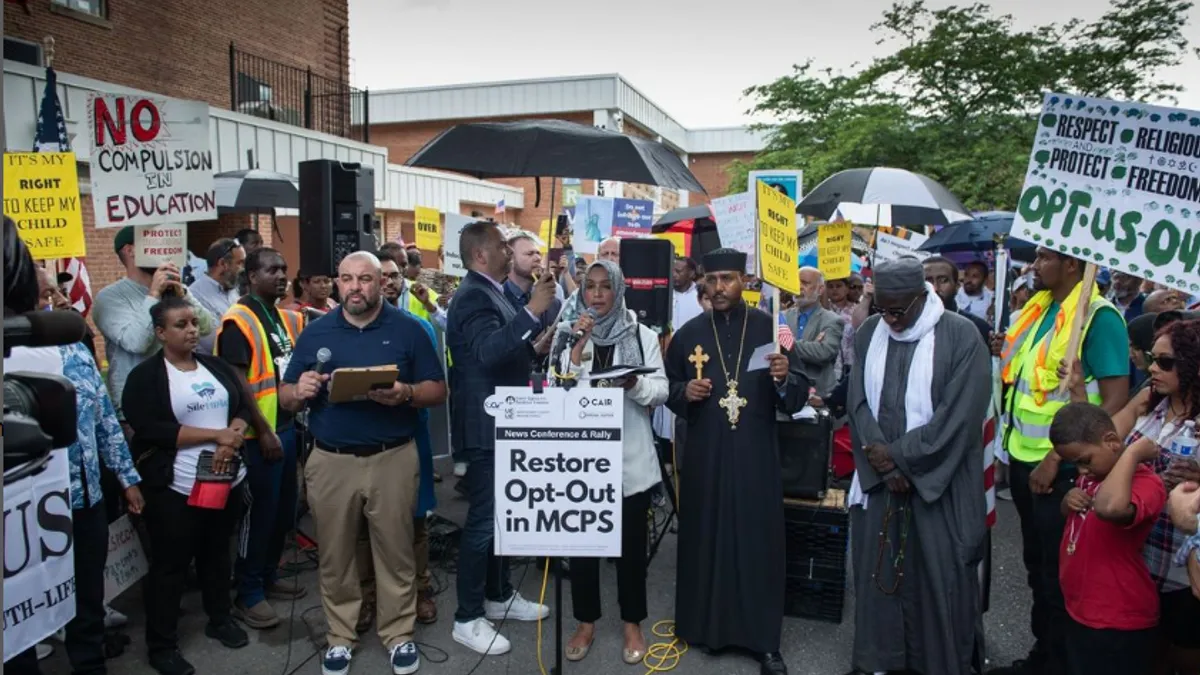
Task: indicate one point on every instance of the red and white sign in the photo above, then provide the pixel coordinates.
(160, 244)
(150, 160)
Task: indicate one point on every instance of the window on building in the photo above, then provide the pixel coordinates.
(23, 51)
(96, 8)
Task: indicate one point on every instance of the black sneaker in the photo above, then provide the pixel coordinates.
(1028, 666)
(772, 664)
(171, 663)
(228, 633)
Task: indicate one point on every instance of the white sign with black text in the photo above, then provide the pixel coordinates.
(39, 563)
(558, 471)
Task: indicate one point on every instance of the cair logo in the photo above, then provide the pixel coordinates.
(586, 402)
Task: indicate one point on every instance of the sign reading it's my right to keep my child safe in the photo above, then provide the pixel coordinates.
(558, 471)
(1116, 184)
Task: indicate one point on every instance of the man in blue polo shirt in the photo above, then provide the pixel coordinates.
(365, 460)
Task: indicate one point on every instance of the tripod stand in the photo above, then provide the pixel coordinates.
(658, 532)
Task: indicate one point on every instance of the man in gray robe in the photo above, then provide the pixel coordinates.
(918, 395)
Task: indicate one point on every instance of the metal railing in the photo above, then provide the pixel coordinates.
(277, 91)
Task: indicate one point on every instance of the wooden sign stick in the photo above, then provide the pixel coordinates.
(1077, 321)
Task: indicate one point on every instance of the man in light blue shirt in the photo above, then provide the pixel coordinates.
(216, 289)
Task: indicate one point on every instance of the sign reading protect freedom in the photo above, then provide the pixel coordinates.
(1117, 184)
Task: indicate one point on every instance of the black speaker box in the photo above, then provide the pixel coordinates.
(805, 450)
(647, 265)
(337, 212)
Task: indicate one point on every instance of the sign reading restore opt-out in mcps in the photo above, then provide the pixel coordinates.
(558, 471)
(1116, 184)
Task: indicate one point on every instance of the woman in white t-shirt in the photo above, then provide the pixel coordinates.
(181, 406)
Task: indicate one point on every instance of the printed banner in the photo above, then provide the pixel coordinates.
(39, 563)
(558, 471)
(736, 225)
(150, 160)
(572, 189)
(41, 195)
(126, 562)
(428, 227)
(777, 239)
(1116, 184)
(593, 223)
(632, 217)
(893, 247)
(789, 182)
(833, 249)
(452, 262)
(158, 245)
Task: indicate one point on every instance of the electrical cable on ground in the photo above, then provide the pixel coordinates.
(542, 601)
(663, 656)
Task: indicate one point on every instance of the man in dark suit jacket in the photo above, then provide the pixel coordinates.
(491, 343)
(817, 331)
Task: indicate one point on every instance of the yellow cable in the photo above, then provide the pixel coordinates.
(664, 656)
(542, 601)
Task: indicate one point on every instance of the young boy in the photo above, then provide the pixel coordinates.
(1112, 601)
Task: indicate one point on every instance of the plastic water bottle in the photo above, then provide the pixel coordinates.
(1185, 443)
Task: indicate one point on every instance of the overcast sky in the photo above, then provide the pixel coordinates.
(691, 57)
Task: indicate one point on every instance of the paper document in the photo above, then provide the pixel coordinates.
(758, 359)
(618, 372)
(806, 413)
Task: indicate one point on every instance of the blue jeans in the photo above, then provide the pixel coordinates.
(481, 573)
(272, 514)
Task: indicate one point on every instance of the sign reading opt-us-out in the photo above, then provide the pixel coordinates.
(558, 471)
(150, 160)
(1117, 184)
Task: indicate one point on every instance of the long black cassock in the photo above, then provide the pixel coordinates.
(730, 585)
(930, 623)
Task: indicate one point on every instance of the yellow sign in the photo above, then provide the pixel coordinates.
(678, 242)
(546, 234)
(429, 228)
(752, 298)
(833, 249)
(41, 195)
(777, 246)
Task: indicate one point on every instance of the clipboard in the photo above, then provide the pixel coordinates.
(352, 384)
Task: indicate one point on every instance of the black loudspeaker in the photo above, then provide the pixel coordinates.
(647, 265)
(337, 212)
(805, 450)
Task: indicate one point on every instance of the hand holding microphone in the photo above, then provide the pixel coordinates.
(310, 382)
(542, 294)
(582, 329)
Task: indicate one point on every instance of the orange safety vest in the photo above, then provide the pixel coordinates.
(261, 375)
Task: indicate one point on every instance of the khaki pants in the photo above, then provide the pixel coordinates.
(366, 568)
(343, 490)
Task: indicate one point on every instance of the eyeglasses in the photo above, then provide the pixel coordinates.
(227, 248)
(893, 312)
(1164, 363)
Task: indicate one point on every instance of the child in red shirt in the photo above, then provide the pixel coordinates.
(1111, 600)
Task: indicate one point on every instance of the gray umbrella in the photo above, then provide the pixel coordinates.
(254, 190)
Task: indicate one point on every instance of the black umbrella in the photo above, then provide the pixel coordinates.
(685, 213)
(696, 226)
(256, 190)
(883, 196)
(553, 148)
(979, 236)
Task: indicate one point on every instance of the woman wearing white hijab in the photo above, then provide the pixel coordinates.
(611, 336)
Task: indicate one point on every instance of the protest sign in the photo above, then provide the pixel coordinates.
(679, 242)
(558, 471)
(833, 249)
(157, 245)
(452, 262)
(41, 195)
(546, 234)
(39, 563)
(893, 247)
(777, 239)
(150, 160)
(428, 227)
(789, 182)
(632, 217)
(593, 223)
(572, 188)
(1116, 184)
(126, 562)
(736, 225)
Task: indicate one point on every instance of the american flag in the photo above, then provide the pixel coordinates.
(786, 339)
(989, 465)
(500, 207)
(52, 137)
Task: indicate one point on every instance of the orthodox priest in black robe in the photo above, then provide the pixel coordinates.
(730, 586)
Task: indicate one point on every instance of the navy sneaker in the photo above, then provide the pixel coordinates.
(405, 659)
(336, 661)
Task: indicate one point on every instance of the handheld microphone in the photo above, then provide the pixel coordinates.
(575, 337)
(43, 329)
(323, 356)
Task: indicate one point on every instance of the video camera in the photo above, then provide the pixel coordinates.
(39, 409)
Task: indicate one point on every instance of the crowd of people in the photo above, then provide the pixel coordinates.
(213, 387)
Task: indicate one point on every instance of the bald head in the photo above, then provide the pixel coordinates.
(1163, 301)
(610, 249)
(359, 283)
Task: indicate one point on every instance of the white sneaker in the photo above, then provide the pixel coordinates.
(113, 618)
(460, 469)
(517, 609)
(336, 661)
(480, 636)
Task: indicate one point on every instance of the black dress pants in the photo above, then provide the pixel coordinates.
(85, 633)
(1092, 651)
(631, 568)
(178, 534)
(1042, 526)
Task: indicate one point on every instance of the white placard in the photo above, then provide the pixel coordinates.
(452, 262)
(737, 225)
(592, 224)
(788, 181)
(558, 471)
(890, 247)
(39, 563)
(156, 245)
(150, 160)
(1116, 184)
(126, 562)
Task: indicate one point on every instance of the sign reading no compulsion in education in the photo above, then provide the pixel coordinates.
(777, 239)
(558, 471)
(1116, 184)
(41, 195)
(150, 160)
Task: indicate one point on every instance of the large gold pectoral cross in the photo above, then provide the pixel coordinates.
(698, 359)
(733, 404)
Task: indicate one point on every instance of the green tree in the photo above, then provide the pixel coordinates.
(956, 100)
